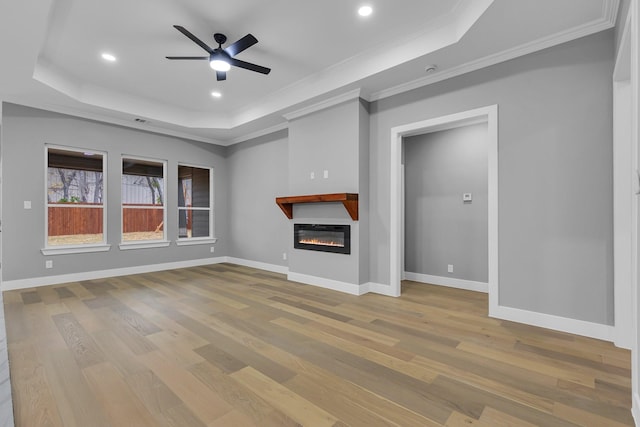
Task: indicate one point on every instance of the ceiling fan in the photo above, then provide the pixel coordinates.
(221, 59)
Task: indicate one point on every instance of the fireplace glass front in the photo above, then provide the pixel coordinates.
(322, 237)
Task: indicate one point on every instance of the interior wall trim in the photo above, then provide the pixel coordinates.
(335, 285)
(323, 105)
(557, 323)
(452, 282)
(606, 21)
(33, 282)
(488, 114)
(578, 327)
(378, 288)
(274, 268)
(635, 408)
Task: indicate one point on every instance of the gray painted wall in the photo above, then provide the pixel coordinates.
(555, 161)
(258, 173)
(25, 132)
(325, 140)
(330, 140)
(440, 228)
(363, 190)
(554, 173)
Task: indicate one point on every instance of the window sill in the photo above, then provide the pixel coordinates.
(197, 241)
(65, 250)
(125, 246)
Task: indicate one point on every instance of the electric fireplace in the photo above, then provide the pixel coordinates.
(322, 237)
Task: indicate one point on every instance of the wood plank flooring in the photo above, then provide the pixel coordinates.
(226, 345)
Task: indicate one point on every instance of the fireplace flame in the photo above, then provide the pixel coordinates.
(321, 242)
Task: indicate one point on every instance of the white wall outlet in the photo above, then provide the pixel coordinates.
(326, 174)
(212, 249)
(312, 175)
(48, 263)
(467, 197)
(450, 268)
(27, 204)
(284, 256)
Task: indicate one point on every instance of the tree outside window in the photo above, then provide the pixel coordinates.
(75, 197)
(143, 200)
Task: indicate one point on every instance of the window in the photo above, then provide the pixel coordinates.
(75, 198)
(143, 200)
(195, 203)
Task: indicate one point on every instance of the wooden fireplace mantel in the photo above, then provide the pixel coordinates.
(349, 200)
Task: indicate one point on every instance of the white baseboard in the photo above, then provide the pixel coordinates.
(451, 282)
(102, 274)
(635, 408)
(557, 323)
(349, 288)
(259, 265)
(563, 324)
(623, 337)
(379, 288)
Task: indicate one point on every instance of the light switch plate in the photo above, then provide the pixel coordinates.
(467, 197)
(27, 204)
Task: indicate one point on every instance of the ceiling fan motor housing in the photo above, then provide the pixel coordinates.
(220, 38)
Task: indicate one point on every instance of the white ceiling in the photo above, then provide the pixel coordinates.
(316, 50)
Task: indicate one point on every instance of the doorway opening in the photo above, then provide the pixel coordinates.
(445, 208)
(488, 115)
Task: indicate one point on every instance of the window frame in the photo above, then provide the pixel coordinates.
(156, 243)
(74, 248)
(203, 240)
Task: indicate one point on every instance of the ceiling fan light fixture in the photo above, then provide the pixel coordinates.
(219, 65)
(221, 59)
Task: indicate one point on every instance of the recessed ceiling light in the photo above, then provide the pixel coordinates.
(216, 94)
(365, 11)
(108, 57)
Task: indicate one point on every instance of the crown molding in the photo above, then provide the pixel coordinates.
(258, 134)
(608, 20)
(103, 118)
(610, 10)
(322, 105)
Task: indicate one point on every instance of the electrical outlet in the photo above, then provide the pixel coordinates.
(312, 175)
(284, 256)
(326, 174)
(48, 263)
(450, 268)
(212, 249)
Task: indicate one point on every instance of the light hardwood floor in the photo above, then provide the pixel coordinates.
(226, 345)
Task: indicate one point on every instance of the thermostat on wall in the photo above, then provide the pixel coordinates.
(467, 197)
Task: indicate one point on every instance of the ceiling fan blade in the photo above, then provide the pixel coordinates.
(193, 38)
(221, 75)
(242, 44)
(187, 57)
(249, 66)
